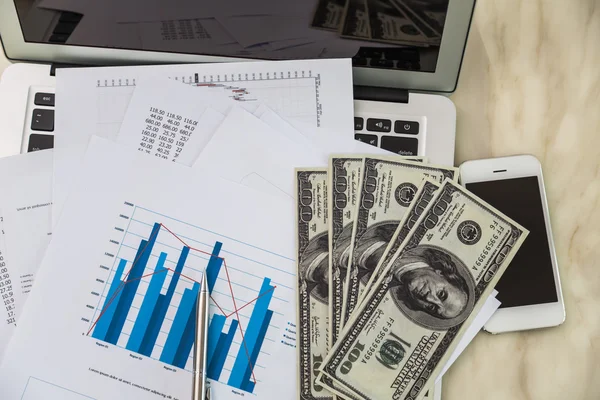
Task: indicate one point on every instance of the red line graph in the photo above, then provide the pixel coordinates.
(235, 311)
(238, 318)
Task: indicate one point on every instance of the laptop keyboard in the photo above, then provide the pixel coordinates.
(40, 135)
(399, 136)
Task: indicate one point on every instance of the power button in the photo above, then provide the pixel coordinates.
(406, 127)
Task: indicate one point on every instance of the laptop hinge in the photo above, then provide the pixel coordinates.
(375, 93)
(55, 66)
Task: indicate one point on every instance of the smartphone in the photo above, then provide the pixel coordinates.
(529, 289)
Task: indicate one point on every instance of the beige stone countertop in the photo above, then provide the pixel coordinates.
(530, 83)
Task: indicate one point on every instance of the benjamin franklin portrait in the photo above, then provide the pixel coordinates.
(432, 287)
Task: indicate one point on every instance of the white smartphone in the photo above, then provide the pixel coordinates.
(530, 289)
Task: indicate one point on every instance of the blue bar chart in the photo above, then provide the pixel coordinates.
(255, 335)
(149, 306)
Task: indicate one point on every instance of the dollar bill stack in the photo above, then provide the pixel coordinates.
(387, 188)
(394, 260)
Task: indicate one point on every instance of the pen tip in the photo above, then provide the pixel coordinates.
(204, 285)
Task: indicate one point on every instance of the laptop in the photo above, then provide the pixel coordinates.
(406, 56)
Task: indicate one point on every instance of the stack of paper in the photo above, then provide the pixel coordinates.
(155, 182)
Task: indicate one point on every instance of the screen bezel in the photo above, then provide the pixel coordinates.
(529, 316)
(444, 79)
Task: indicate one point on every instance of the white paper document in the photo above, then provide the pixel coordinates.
(257, 156)
(164, 118)
(93, 101)
(25, 231)
(111, 316)
(207, 125)
(263, 155)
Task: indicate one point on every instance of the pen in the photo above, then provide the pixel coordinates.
(200, 389)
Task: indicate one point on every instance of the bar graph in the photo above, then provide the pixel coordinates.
(148, 305)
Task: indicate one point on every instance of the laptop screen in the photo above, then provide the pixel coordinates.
(391, 34)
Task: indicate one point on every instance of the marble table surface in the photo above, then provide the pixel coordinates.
(530, 83)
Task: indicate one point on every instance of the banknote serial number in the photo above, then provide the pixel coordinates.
(357, 351)
(490, 245)
(378, 339)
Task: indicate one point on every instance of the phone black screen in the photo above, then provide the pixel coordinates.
(529, 278)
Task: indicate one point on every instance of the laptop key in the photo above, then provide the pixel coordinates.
(40, 142)
(358, 123)
(44, 99)
(43, 120)
(379, 125)
(407, 127)
(400, 145)
(369, 139)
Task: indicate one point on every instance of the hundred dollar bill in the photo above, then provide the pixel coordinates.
(313, 279)
(422, 199)
(420, 202)
(403, 333)
(344, 177)
(430, 395)
(355, 22)
(339, 392)
(344, 180)
(329, 14)
(387, 188)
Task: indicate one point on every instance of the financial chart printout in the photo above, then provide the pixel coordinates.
(113, 313)
(314, 93)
